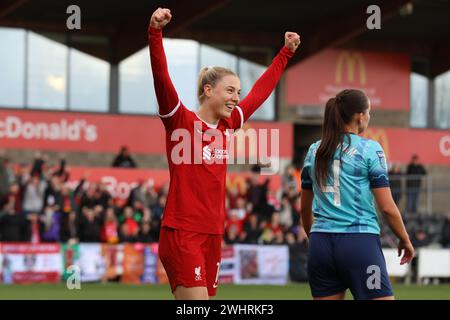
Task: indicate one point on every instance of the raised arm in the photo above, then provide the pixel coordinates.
(165, 91)
(264, 86)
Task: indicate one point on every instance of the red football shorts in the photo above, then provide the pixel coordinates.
(191, 259)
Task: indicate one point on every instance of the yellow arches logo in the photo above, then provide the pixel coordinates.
(236, 184)
(351, 60)
(380, 136)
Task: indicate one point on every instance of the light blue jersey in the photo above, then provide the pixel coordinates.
(346, 204)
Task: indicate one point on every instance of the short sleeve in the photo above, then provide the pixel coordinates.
(306, 171)
(378, 175)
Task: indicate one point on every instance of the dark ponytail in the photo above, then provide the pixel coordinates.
(339, 112)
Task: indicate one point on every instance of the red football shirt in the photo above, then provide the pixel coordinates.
(196, 198)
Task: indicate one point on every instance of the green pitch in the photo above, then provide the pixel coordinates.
(162, 292)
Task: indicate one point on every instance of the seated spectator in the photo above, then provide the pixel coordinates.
(272, 200)
(51, 219)
(14, 191)
(68, 231)
(138, 206)
(257, 195)
(151, 196)
(237, 216)
(252, 231)
(288, 181)
(68, 201)
(88, 196)
(102, 196)
(146, 235)
(110, 227)
(239, 211)
(232, 235)
(146, 215)
(128, 233)
(286, 219)
(11, 223)
(267, 236)
(124, 159)
(34, 228)
(130, 228)
(144, 193)
(273, 232)
(89, 227)
(33, 195)
(155, 228)
(274, 224)
(278, 237)
(158, 208)
(232, 195)
(420, 238)
(53, 195)
(99, 213)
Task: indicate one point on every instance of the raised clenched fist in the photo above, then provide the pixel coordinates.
(160, 18)
(291, 40)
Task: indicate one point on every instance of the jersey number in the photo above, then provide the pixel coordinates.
(335, 187)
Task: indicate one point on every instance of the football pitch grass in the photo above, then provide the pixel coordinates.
(115, 291)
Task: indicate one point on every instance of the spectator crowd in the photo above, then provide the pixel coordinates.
(37, 205)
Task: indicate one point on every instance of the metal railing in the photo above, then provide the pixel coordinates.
(432, 190)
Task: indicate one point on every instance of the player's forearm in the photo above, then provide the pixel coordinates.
(264, 86)
(395, 222)
(307, 219)
(165, 91)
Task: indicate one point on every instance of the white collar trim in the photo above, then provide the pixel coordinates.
(212, 126)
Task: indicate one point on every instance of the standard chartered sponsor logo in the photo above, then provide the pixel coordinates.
(249, 146)
(207, 153)
(12, 127)
(215, 153)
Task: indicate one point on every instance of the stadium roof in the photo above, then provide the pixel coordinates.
(115, 29)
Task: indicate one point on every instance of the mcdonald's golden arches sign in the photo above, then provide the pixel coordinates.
(383, 76)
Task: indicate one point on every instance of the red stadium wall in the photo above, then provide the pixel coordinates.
(62, 131)
(383, 76)
(432, 146)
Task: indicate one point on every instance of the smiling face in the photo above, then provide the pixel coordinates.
(224, 96)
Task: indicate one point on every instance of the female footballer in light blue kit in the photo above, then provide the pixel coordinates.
(342, 174)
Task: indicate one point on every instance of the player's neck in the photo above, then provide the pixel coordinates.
(352, 128)
(207, 115)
